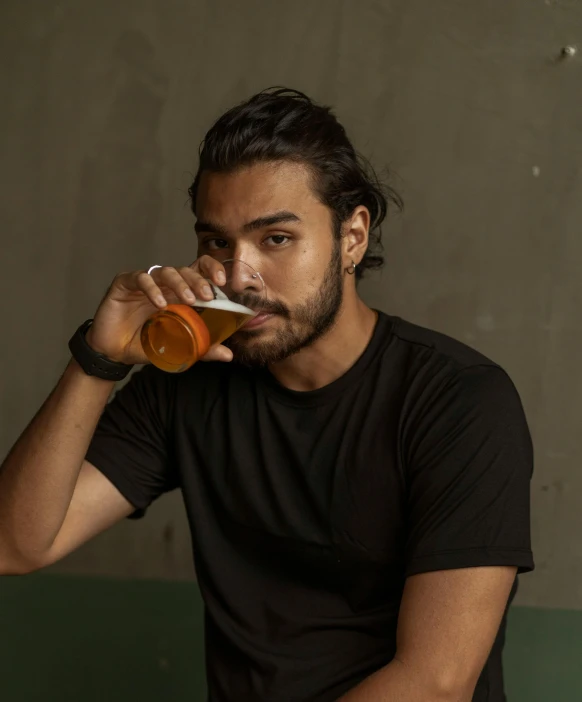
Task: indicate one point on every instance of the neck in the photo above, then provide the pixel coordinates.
(334, 354)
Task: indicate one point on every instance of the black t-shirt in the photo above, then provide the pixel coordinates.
(309, 509)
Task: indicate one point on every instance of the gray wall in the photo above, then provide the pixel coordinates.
(104, 105)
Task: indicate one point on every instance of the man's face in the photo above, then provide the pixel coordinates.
(268, 216)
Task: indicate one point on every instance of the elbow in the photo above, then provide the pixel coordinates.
(447, 684)
(452, 688)
(17, 567)
(12, 563)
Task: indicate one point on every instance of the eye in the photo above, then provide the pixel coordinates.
(276, 240)
(215, 244)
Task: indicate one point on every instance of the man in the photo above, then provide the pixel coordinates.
(357, 487)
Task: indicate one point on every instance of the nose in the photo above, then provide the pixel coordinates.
(243, 277)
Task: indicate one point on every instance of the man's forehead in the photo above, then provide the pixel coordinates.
(252, 191)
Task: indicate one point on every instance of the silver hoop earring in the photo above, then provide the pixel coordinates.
(352, 269)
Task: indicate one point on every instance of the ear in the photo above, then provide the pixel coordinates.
(355, 236)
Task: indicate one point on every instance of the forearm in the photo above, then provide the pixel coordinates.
(38, 477)
(398, 682)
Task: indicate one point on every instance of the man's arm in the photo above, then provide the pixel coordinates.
(447, 626)
(469, 460)
(51, 500)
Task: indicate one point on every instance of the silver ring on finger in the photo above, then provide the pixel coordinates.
(152, 268)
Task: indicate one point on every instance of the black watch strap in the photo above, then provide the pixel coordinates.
(92, 362)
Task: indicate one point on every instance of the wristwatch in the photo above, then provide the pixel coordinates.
(92, 362)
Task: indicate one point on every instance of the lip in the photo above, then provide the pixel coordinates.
(258, 321)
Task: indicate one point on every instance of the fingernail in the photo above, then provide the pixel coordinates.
(206, 291)
(161, 301)
(189, 295)
(220, 278)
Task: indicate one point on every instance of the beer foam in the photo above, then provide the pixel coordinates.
(226, 305)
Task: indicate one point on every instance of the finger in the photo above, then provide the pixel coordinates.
(147, 285)
(169, 277)
(218, 353)
(210, 268)
(197, 282)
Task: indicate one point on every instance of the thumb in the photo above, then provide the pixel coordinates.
(218, 353)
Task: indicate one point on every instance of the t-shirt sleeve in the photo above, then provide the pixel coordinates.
(469, 461)
(130, 445)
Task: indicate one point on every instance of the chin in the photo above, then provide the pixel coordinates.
(246, 343)
(258, 352)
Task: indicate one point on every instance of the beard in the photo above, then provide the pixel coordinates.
(303, 325)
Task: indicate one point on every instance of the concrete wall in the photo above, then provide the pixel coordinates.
(104, 105)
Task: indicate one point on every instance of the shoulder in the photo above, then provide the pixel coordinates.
(177, 397)
(152, 384)
(445, 376)
(431, 345)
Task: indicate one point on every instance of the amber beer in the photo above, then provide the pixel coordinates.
(223, 318)
(173, 339)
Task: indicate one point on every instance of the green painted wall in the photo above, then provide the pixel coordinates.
(67, 639)
(76, 639)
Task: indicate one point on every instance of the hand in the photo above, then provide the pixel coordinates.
(133, 297)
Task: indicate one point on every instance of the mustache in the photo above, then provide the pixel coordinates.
(261, 305)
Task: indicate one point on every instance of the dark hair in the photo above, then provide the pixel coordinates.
(280, 124)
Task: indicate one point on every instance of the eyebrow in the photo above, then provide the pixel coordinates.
(259, 223)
